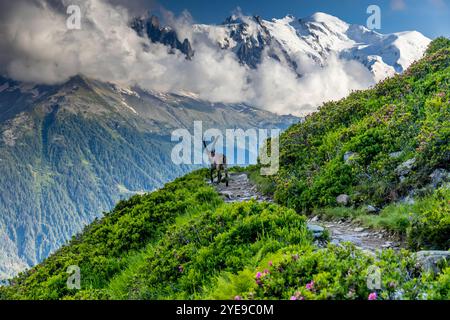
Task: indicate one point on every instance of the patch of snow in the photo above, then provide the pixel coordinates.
(129, 107)
(126, 91)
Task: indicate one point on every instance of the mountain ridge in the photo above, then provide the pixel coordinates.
(111, 121)
(70, 151)
(317, 36)
(184, 241)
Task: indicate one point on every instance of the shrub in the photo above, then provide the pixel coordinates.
(430, 228)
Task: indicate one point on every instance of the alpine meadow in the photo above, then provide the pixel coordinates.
(224, 159)
(386, 149)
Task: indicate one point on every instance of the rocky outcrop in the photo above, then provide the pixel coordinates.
(432, 261)
(405, 168)
(150, 27)
(438, 177)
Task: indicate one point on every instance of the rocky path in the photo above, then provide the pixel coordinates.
(241, 189)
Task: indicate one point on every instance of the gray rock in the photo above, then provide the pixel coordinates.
(372, 210)
(404, 168)
(359, 229)
(431, 260)
(364, 234)
(396, 154)
(349, 156)
(315, 218)
(439, 176)
(343, 199)
(227, 194)
(316, 230)
(242, 177)
(408, 200)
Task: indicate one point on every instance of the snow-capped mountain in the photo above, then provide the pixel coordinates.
(317, 37)
(69, 151)
(291, 40)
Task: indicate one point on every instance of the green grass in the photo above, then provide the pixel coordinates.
(264, 184)
(400, 217)
(408, 113)
(184, 242)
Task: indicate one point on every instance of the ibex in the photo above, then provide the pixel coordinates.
(218, 162)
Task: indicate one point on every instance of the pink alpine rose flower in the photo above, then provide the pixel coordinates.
(310, 286)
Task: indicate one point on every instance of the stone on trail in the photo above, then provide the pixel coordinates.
(226, 194)
(242, 177)
(316, 230)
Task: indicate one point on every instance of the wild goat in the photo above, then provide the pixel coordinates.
(218, 162)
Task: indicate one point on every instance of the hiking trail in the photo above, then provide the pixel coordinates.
(242, 189)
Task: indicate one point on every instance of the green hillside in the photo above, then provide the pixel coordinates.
(70, 151)
(389, 144)
(184, 242)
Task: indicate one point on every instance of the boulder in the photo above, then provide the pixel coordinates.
(439, 176)
(395, 155)
(343, 199)
(227, 194)
(404, 168)
(372, 210)
(431, 260)
(316, 230)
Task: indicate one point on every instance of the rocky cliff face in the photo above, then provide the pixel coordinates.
(151, 28)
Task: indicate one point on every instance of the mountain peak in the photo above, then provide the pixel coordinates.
(327, 19)
(323, 17)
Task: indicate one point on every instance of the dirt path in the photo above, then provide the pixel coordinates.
(241, 189)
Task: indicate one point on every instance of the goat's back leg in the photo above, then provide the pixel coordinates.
(219, 176)
(226, 177)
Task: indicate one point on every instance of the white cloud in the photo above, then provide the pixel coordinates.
(37, 47)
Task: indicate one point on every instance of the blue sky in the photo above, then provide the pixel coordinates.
(431, 17)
